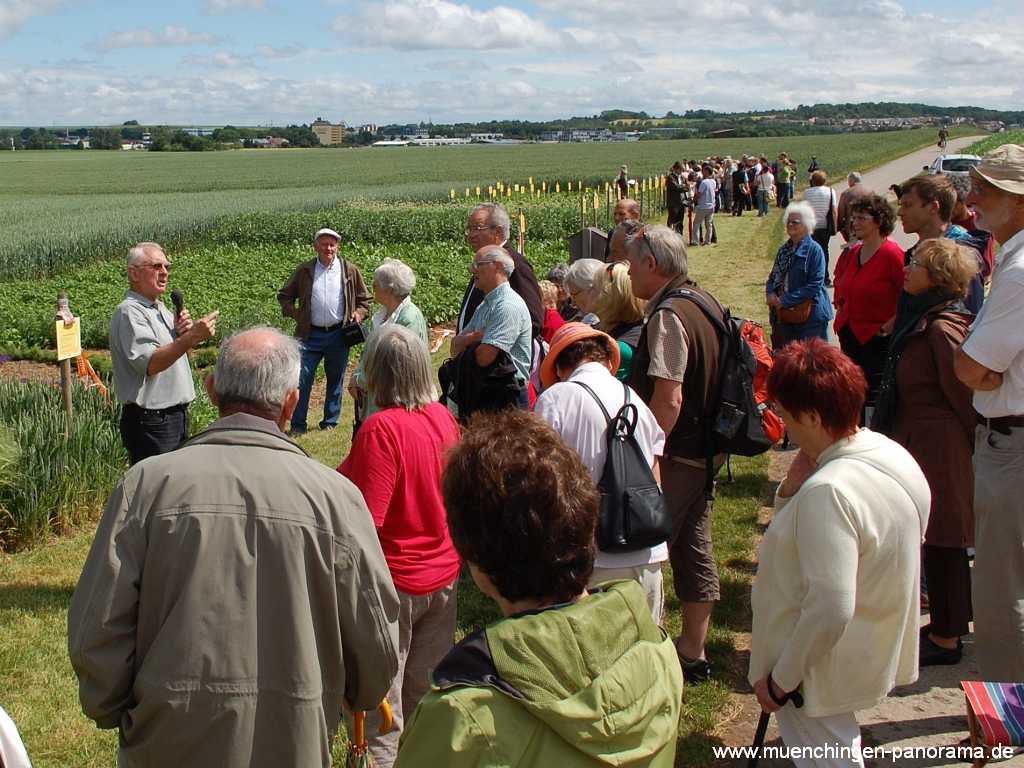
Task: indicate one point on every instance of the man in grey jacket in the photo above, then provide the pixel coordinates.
(235, 597)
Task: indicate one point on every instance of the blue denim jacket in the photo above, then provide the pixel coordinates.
(806, 279)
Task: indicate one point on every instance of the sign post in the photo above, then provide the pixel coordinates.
(69, 344)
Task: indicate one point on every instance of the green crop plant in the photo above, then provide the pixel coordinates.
(58, 477)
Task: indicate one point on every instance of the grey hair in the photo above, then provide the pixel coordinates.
(257, 373)
(500, 256)
(137, 254)
(666, 245)
(581, 274)
(557, 273)
(804, 210)
(395, 277)
(629, 227)
(497, 216)
(962, 185)
(398, 370)
(854, 177)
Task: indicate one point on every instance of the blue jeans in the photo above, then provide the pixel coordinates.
(324, 345)
(762, 202)
(783, 333)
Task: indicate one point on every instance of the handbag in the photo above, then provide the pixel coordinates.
(632, 513)
(352, 334)
(795, 315)
(830, 217)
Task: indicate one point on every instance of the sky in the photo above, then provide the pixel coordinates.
(261, 62)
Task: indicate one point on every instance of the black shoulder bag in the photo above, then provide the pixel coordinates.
(633, 514)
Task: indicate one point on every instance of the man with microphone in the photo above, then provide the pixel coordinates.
(148, 346)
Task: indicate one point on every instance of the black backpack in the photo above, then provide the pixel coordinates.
(736, 424)
(633, 514)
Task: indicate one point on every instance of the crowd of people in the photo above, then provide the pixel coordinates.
(239, 597)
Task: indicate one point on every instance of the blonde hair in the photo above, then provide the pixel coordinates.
(549, 294)
(950, 265)
(616, 302)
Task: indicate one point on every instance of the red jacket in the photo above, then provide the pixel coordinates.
(866, 296)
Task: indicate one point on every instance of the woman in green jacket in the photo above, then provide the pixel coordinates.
(393, 282)
(567, 678)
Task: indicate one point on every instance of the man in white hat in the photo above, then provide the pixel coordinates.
(331, 294)
(991, 362)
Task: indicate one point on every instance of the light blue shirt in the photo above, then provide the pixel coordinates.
(327, 300)
(505, 320)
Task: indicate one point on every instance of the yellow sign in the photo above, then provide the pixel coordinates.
(522, 221)
(597, 201)
(558, 187)
(69, 340)
(570, 186)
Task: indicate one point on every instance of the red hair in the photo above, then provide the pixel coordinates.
(813, 376)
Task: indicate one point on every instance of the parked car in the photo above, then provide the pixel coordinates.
(953, 165)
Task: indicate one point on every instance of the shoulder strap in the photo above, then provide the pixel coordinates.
(696, 298)
(593, 394)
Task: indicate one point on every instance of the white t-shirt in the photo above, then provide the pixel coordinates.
(706, 194)
(12, 750)
(996, 340)
(574, 414)
(766, 181)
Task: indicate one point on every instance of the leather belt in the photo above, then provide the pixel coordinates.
(1002, 424)
(327, 328)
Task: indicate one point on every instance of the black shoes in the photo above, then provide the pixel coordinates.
(695, 671)
(932, 655)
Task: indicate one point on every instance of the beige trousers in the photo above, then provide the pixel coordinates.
(997, 588)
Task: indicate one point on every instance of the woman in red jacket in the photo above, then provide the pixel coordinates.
(868, 284)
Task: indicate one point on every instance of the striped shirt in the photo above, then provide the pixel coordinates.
(505, 321)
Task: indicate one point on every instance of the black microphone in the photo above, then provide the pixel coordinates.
(178, 300)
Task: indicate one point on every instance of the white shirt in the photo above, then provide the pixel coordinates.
(328, 304)
(574, 414)
(766, 182)
(819, 198)
(12, 750)
(996, 341)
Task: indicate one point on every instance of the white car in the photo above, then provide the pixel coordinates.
(953, 165)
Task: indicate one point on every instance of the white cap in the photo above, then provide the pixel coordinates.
(326, 231)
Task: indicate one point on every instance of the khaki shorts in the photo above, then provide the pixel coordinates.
(694, 572)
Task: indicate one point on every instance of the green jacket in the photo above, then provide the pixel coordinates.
(586, 684)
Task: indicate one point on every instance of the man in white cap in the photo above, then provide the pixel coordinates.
(991, 362)
(331, 294)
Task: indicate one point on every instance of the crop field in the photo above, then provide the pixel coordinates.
(993, 141)
(60, 208)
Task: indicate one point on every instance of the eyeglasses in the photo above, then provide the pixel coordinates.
(863, 217)
(794, 221)
(474, 265)
(478, 228)
(156, 266)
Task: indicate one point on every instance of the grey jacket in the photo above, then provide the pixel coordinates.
(234, 596)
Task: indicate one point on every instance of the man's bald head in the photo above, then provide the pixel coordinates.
(626, 208)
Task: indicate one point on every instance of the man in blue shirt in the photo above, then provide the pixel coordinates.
(502, 321)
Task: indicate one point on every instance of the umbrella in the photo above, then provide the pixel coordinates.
(762, 727)
(358, 754)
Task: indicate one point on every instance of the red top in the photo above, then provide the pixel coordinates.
(866, 296)
(396, 462)
(552, 322)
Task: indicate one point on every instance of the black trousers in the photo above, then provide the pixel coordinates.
(948, 574)
(147, 432)
(870, 356)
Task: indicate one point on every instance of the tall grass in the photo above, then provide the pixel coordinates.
(49, 481)
(995, 140)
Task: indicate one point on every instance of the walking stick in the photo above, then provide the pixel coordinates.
(762, 727)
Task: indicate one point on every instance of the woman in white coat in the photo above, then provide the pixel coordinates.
(835, 600)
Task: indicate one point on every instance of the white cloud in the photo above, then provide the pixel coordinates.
(148, 38)
(440, 24)
(226, 6)
(284, 52)
(14, 13)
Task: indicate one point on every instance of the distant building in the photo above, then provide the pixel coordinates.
(485, 137)
(437, 142)
(199, 130)
(269, 142)
(328, 134)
